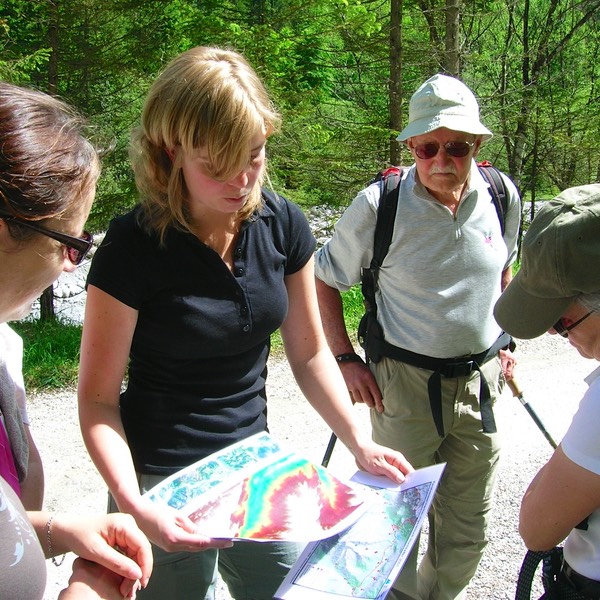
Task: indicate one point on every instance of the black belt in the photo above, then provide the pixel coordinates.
(452, 367)
(589, 588)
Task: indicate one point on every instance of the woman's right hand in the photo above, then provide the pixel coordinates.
(172, 530)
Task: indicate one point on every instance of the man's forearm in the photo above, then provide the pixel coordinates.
(507, 276)
(332, 316)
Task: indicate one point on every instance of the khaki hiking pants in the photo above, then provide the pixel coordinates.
(459, 516)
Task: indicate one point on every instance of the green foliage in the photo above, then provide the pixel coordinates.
(353, 309)
(535, 64)
(326, 64)
(20, 68)
(51, 353)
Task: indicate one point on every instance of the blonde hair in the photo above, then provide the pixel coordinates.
(208, 98)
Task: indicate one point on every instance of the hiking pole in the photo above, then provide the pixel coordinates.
(517, 393)
(330, 447)
(329, 450)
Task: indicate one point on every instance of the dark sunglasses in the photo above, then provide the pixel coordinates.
(455, 149)
(564, 330)
(77, 248)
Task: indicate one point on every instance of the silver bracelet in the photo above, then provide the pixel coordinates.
(49, 540)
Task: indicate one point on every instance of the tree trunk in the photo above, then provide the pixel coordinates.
(47, 312)
(536, 57)
(53, 44)
(452, 40)
(395, 84)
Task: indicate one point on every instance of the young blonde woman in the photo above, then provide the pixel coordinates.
(184, 294)
(48, 174)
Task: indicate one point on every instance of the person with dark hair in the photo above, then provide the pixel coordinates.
(183, 296)
(557, 290)
(434, 373)
(48, 175)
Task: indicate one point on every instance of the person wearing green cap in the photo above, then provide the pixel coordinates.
(432, 392)
(557, 290)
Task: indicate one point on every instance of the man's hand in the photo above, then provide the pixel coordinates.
(362, 385)
(508, 362)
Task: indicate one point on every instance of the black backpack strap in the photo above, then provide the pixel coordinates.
(386, 213)
(370, 334)
(552, 562)
(527, 573)
(389, 181)
(498, 189)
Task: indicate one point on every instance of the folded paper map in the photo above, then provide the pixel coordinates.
(364, 560)
(258, 490)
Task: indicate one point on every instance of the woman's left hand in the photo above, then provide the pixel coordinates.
(380, 460)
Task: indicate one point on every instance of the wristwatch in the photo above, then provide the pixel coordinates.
(349, 357)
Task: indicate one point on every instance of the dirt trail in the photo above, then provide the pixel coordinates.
(550, 374)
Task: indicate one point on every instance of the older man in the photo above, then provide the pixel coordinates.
(431, 393)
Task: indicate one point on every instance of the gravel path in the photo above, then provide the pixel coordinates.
(550, 374)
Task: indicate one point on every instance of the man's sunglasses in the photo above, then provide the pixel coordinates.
(77, 248)
(455, 149)
(563, 330)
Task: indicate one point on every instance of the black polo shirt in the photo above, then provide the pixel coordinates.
(197, 371)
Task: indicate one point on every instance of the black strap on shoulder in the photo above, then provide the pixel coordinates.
(498, 189)
(369, 332)
(386, 213)
(389, 181)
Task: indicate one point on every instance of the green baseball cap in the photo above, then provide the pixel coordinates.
(560, 260)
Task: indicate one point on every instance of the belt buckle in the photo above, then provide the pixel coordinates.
(458, 369)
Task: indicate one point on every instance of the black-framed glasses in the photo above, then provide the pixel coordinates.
(455, 149)
(563, 330)
(77, 248)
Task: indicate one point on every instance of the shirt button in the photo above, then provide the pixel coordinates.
(244, 310)
(239, 272)
(246, 328)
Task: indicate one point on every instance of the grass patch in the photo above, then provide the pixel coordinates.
(353, 309)
(51, 353)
